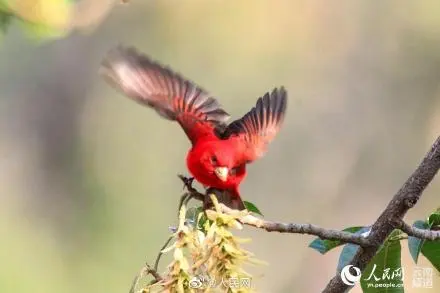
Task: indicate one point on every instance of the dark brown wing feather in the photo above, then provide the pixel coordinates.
(170, 94)
(257, 128)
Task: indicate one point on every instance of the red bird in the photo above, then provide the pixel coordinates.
(219, 152)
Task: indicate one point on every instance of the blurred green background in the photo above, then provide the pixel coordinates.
(88, 182)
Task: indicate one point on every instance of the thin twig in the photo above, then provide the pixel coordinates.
(270, 226)
(182, 201)
(154, 273)
(187, 183)
(146, 270)
(419, 233)
(310, 229)
(159, 255)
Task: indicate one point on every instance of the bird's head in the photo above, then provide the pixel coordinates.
(219, 163)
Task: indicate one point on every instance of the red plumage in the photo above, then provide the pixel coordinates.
(219, 152)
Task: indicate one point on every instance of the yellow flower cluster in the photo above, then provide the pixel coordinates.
(207, 256)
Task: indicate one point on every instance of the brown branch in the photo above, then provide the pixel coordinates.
(187, 183)
(391, 218)
(159, 255)
(146, 270)
(154, 273)
(310, 229)
(419, 233)
(270, 226)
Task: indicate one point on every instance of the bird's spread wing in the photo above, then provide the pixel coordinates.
(170, 94)
(257, 128)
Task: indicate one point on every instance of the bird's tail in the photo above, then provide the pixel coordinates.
(237, 204)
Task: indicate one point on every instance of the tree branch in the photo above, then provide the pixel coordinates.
(270, 226)
(391, 217)
(419, 233)
(310, 229)
(146, 270)
(154, 273)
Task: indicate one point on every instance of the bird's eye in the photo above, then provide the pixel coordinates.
(214, 160)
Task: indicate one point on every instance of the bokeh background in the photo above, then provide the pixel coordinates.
(88, 181)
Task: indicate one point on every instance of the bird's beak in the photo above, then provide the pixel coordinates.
(222, 173)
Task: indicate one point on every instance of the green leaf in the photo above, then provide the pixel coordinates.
(197, 217)
(192, 213)
(346, 255)
(431, 250)
(349, 251)
(201, 219)
(323, 246)
(252, 208)
(415, 244)
(434, 219)
(384, 273)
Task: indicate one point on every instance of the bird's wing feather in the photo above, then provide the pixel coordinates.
(170, 94)
(257, 128)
